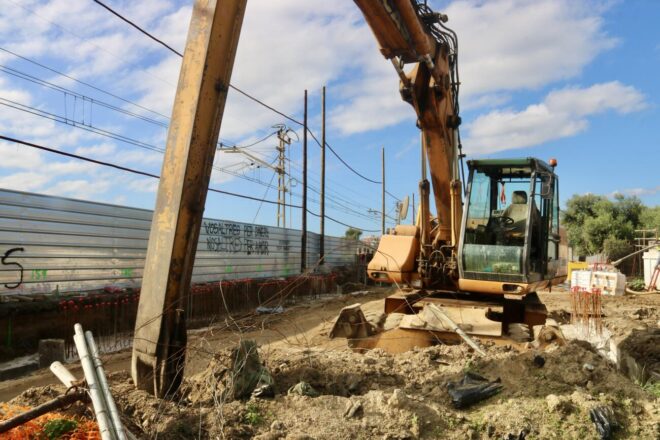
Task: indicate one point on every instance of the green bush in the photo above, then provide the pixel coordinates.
(56, 428)
(637, 284)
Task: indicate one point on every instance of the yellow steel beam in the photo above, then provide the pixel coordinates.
(160, 331)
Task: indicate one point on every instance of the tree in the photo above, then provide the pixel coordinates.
(650, 218)
(597, 224)
(353, 233)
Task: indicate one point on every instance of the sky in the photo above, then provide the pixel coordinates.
(572, 80)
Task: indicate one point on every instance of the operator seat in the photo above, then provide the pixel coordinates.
(517, 210)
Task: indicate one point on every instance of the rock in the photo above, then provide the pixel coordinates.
(277, 426)
(558, 404)
(398, 399)
(588, 367)
(269, 436)
(299, 437)
(303, 389)
(352, 409)
(490, 430)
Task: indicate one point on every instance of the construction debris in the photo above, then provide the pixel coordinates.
(380, 395)
(472, 388)
(52, 405)
(603, 418)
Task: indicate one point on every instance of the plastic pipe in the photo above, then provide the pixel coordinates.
(105, 389)
(64, 375)
(92, 383)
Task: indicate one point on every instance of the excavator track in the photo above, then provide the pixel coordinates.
(412, 318)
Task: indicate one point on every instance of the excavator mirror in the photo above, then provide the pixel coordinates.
(546, 186)
(403, 208)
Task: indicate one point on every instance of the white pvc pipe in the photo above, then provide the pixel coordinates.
(103, 383)
(92, 383)
(64, 375)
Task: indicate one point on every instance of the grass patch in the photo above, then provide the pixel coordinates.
(253, 415)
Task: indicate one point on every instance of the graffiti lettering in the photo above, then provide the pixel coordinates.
(39, 274)
(283, 245)
(20, 267)
(232, 238)
(261, 231)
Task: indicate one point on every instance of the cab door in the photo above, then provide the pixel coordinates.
(543, 236)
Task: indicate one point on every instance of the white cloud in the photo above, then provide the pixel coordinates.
(25, 180)
(639, 192)
(103, 149)
(285, 47)
(79, 188)
(521, 44)
(146, 185)
(414, 142)
(563, 113)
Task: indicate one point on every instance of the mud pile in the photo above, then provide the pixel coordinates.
(377, 395)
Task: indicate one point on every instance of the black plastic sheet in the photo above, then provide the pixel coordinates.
(472, 388)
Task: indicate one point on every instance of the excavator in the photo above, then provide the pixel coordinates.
(471, 268)
(475, 266)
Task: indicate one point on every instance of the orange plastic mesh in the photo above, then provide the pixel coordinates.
(34, 429)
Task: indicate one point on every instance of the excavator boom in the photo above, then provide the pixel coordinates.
(423, 53)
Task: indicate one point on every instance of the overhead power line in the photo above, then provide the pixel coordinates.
(273, 109)
(112, 11)
(98, 89)
(89, 127)
(144, 173)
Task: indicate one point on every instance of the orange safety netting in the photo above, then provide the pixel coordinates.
(34, 429)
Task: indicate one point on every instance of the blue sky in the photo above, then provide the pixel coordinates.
(577, 81)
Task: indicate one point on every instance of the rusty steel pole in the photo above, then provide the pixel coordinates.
(322, 232)
(160, 331)
(383, 189)
(303, 244)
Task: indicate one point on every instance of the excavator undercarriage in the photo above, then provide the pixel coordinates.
(413, 318)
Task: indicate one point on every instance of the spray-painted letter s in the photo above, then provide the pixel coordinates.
(7, 255)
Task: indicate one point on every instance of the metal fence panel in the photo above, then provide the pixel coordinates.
(56, 244)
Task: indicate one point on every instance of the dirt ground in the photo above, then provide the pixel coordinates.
(378, 395)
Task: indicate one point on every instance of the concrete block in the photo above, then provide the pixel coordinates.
(50, 350)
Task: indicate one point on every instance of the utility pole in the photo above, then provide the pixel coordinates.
(160, 339)
(303, 244)
(322, 237)
(281, 178)
(279, 169)
(383, 189)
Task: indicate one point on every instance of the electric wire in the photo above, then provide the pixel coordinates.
(144, 173)
(116, 136)
(244, 93)
(96, 130)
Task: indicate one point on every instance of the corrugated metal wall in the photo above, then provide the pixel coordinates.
(51, 243)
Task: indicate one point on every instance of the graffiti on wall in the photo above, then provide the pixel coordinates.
(18, 265)
(236, 238)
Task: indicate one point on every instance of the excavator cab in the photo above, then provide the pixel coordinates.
(510, 230)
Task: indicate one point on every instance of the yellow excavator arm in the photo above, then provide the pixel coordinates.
(423, 53)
